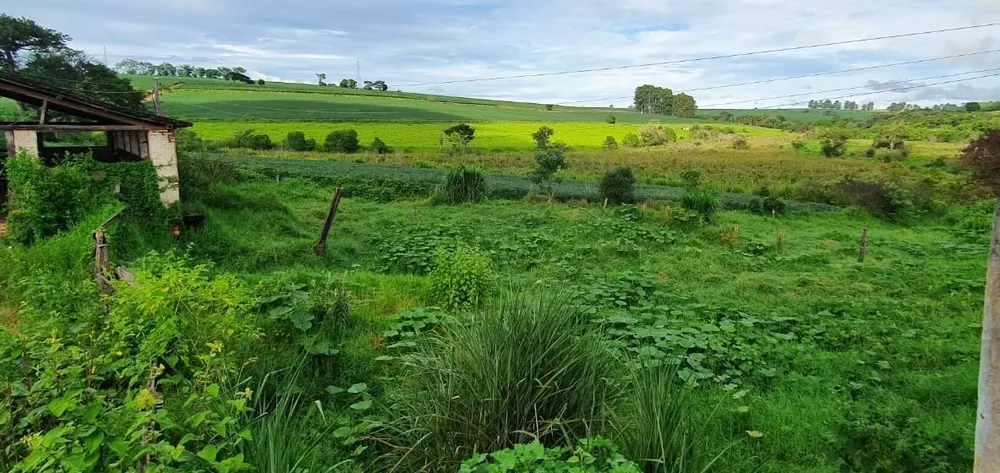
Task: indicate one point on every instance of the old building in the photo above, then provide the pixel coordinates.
(129, 134)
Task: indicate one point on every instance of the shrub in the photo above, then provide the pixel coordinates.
(462, 131)
(767, 205)
(542, 137)
(631, 140)
(656, 135)
(691, 178)
(464, 184)
(45, 200)
(519, 371)
(798, 145)
(550, 160)
(549, 107)
(611, 119)
(248, 139)
(657, 429)
(833, 147)
(880, 198)
(618, 186)
(341, 141)
(460, 278)
(982, 157)
(701, 201)
(595, 455)
(186, 139)
(889, 156)
(379, 147)
(296, 141)
(610, 143)
(740, 142)
(870, 153)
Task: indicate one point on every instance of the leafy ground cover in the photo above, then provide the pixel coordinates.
(790, 355)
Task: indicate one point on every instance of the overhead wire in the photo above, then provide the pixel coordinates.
(703, 58)
(716, 105)
(804, 76)
(896, 89)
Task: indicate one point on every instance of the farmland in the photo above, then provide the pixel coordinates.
(516, 291)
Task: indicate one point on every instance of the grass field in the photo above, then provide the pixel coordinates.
(800, 115)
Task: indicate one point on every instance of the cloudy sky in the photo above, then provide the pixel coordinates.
(406, 42)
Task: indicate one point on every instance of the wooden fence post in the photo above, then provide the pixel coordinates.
(863, 251)
(988, 412)
(320, 247)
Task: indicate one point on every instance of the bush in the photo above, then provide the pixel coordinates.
(611, 119)
(798, 145)
(45, 200)
(296, 141)
(631, 140)
(833, 147)
(550, 160)
(187, 141)
(610, 143)
(703, 202)
(463, 132)
(740, 142)
(542, 137)
(691, 178)
(880, 198)
(767, 205)
(982, 157)
(379, 147)
(460, 278)
(656, 135)
(465, 185)
(618, 186)
(342, 141)
(596, 455)
(520, 371)
(889, 156)
(247, 139)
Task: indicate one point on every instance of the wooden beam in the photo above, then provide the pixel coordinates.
(68, 105)
(77, 127)
(41, 113)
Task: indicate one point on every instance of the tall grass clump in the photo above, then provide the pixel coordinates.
(464, 184)
(521, 370)
(701, 201)
(461, 278)
(656, 429)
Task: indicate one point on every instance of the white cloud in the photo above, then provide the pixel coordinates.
(416, 41)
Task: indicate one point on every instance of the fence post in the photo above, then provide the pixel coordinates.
(863, 250)
(988, 413)
(320, 247)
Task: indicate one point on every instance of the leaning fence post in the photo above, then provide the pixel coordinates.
(988, 412)
(320, 247)
(863, 250)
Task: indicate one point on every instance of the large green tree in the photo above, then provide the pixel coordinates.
(653, 99)
(684, 106)
(22, 34)
(71, 69)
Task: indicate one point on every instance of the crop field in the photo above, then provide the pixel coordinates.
(800, 115)
(426, 137)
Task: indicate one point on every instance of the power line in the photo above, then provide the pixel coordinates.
(898, 89)
(716, 105)
(705, 58)
(815, 74)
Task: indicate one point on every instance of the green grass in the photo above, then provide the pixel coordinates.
(898, 333)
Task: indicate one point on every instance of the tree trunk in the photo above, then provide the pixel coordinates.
(11, 65)
(988, 416)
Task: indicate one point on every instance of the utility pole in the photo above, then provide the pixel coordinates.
(156, 96)
(988, 415)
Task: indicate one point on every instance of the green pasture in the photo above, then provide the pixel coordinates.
(799, 115)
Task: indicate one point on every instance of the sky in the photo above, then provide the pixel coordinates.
(408, 42)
